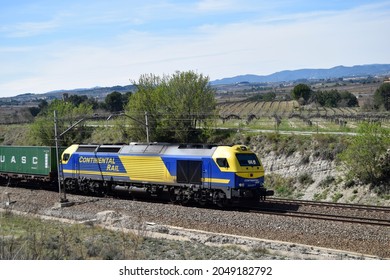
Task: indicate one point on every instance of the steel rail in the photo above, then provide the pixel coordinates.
(321, 216)
(329, 204)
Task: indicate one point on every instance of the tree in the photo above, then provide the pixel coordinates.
(76, 100)
(177, 106)
(327, 98)
(190, 102)
(301, 91)
(362, 158)
(42, 130)
(334, 98)
(114, 101)
(268, 96)
(382, 97)
(43, 105)
(146, 99)
(126, 98)
(347, 99)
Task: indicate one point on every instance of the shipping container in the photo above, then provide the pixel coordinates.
(31, 161)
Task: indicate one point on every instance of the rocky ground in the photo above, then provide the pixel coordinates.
(324, 178)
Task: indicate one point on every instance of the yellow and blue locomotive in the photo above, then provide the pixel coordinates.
(213, 174)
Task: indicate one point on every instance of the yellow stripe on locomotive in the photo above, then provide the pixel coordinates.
(146, 168)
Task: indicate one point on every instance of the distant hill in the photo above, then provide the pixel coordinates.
(96, 92)
(282, 76)
(310, 74)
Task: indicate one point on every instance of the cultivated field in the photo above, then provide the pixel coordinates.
(289, 115)
(15, 114)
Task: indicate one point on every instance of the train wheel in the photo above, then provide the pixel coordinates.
(69, 184)
(186, 195)
(219, 198)
(201, 197)
(172, 195)
(185, 199)
(97, 188)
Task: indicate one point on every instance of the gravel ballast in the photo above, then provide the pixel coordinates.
(281, 237)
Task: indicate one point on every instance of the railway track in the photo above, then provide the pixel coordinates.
(327, 217)
(347, 213)
(360, 207)
(276, 224)
(292, 208)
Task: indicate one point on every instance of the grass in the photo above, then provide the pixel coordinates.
(284, 187)
(337, 196)
(352, 198)
(329, 180)
(305, 179)
(26, 238)
(321, 196)
(290, 125)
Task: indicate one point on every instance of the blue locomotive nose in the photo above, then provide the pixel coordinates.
(249, 182)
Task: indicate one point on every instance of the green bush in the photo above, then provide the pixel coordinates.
(305, 179)
(321, 196)
(336, 197)
(283, 187)
(363, 158)
(327, 181)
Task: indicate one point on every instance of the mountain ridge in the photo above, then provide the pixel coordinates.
(309, 74)
(281, 76)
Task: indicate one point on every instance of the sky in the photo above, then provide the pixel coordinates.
(50, 45)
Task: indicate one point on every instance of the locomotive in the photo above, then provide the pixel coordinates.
(206, 174)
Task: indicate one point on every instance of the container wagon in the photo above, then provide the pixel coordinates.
(28, 163)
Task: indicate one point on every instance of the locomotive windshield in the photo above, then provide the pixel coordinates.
(248, 160)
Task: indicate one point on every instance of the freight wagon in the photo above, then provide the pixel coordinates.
(32, 163)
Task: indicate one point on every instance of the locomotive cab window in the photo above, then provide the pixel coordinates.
(108, 149)
(248, 160)
(65, 157)
(222, 162)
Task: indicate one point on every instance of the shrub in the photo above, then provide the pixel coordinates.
(283, 187)
(336, 197)
(305, 179)
(349, 183)
(305, 159)
(321, 196)
(327, 181)
(362, 158)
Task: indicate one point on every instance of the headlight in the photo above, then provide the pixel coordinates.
(241, 185)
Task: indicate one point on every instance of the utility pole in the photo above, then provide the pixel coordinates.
(147, 127)
(63, 201)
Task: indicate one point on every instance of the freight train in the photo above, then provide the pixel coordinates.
(205, 174)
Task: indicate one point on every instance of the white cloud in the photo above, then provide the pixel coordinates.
(29, 29)
(216, 5)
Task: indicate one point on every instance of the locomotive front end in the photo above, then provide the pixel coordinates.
(248, 173)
